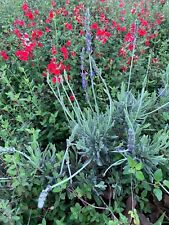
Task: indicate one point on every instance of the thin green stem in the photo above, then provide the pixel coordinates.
(141, 99)
(114, 164)
(74, 97)
(66, 111)
(164, 188)
(132, 61)
(75, 111)
(93, 90)
(155, 110)
(106, 90)
(73, 175)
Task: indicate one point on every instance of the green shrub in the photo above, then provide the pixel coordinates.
(80, 144)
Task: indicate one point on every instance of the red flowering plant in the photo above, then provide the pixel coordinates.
(52, 40)
(125, 29)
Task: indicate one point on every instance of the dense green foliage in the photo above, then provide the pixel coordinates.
(84, 112)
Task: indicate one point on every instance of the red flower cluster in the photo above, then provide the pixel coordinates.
(68, 26)
(129, 37)
(25, 7)
(142, 32)
(64, 51)
(4, 55)
(22, 55)
(19, 23)
(102, 35)
(132, 35)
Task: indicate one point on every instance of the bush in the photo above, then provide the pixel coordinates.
(84, 113)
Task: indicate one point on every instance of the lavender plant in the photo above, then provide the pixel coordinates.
(95, 134)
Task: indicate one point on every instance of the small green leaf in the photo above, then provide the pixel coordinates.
(158, 175)
(132, 162)
(21, 69)
(158, 193)
(101, 185)
(43, 221)
(139, 166)
(166, 183)
(140, 175)
(144, 193)
(115, 222)
(160, 220)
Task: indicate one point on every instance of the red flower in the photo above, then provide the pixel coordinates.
(121, 5)
(17, 33)
(4, 55)
(68, 43)
(56, 79)
(47, 30)
(40, 45)
(36, 12)
(133, 27)
(81, 32)
(36, 34)
(133, 10)
(68, 26)
(114, 23)
(73, 54)
(143, 22)
(53, 4)
(122, 52)
(102, 35)
(47, 21)
(94, 26)
(19, 22)
(147, 43)
(26, 35)
(155, 60)
(53, 68)
(44, 74)
(142, 32)
(67, 67)
(129, 37)
(72, 98)
(22, 55)
(54, 50)
(51, 15)
(131, 47)
(64, 12)
(158, 21)
(25, 7)
(30, 15)
(102, 17)
(123, 29)
(61, 66)
(100, 32)
(122, 18)
(118, 27)
(64, 51)
(124, 68)
(31, 24)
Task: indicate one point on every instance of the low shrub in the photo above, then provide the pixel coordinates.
(84, 112)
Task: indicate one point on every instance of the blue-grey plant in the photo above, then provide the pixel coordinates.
(88, 35)
(94, 131)
(83, 72)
